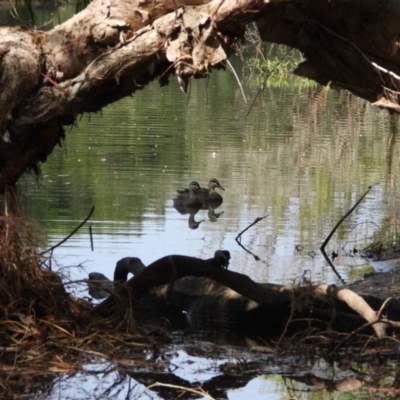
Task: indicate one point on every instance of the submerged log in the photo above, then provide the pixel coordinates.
(113, 48)
(214, 296)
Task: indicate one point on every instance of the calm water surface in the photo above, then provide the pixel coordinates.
(302, 158)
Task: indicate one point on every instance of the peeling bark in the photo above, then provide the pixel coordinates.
(113, 48)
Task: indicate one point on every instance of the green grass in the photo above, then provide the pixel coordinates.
(275, 66)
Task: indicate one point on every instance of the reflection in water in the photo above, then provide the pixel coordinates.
(192, 211)
(212, 215)
(193, 224)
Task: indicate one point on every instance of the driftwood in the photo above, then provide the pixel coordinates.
(113, 48)
(203, 288)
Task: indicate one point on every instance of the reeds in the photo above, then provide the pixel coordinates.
(32, 297)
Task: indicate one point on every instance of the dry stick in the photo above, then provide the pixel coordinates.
(360, 328)
(238, 237)
(392, 339)
(290, 319)
(71, 234)
(199, 391)
(322, 248)
(258, 219)
(370, 338)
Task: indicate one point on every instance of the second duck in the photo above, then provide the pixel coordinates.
(188, 197)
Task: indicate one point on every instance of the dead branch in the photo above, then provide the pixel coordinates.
(276, 300)
(71, 234)
(322, 248)
(183, 389)
(239, 239)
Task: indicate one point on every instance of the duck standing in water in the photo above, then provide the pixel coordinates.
(203, 194)
(188, 197)
(123, 267)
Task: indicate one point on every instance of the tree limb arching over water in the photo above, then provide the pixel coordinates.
(113, 48)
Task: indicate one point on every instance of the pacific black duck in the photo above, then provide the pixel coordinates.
(188, 197)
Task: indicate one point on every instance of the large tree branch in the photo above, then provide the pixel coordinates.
(285, 301)
(113, 48)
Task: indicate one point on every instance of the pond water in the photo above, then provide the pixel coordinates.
(301, 156)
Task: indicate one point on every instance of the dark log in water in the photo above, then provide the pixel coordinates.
(214, 296)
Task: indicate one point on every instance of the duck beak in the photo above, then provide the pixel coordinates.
(220, 187)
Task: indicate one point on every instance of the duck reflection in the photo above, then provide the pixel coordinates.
(193, 224)
(192, 211)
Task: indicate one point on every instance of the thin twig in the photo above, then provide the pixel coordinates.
(248, 251)
(238, 237)
(199, 391)
(289, 320)
(322, 248)
(265, 80)
(379, 313)
(258, 219)
(71, 234)
(91, 237)
(360, 328)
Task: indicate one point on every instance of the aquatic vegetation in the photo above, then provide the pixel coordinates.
(274, 66)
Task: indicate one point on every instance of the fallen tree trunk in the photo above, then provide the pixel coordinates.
(237, 299)
(113, 48)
